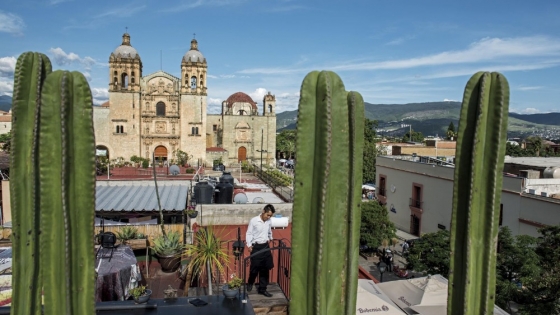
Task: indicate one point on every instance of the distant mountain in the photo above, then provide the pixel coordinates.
(543, 119)
(5, 102)
(431, 118)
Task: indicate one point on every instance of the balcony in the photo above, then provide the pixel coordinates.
(415, 203)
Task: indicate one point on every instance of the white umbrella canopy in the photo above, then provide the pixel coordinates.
(371, 299)
(425, 296)
(441, 309)
(425, 290)
(368, 187)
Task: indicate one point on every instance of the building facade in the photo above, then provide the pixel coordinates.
(419, 198)
(160, 114)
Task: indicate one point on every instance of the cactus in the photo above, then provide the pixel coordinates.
(31, 70)
(326, 211)
(476, 194)
(62, 153)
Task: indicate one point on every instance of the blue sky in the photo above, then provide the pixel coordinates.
(392, 52)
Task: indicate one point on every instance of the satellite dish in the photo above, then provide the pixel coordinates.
(174, 170)
(258, 200)
(240, 198)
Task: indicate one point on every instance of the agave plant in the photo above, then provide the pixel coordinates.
(127, 233)
(169, 244)
(207, 252)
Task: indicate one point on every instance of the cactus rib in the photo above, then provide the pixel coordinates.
(31, 70)
(478, 181)
(67, 202)
(326, 211)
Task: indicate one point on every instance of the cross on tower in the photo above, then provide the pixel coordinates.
(194, 35)
(126, 28)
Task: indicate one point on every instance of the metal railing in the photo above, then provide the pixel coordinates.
(415, 203)
(286, 193)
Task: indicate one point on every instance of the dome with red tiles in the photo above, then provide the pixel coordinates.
(240, 97)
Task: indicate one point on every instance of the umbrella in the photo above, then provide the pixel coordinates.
(426, 295)
(368, 187)
(426, 290)
(371, 299)
(282, 160)
(441, 309)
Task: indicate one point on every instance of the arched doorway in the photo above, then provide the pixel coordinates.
(160, 153)
(241, 154)
(102, 150)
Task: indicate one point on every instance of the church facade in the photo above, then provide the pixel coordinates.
(160, 113)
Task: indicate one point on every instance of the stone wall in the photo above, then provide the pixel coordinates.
(236, 214)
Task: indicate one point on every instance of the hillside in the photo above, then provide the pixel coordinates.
(433, 118)
(5, 103)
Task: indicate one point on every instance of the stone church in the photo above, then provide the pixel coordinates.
(160, 113)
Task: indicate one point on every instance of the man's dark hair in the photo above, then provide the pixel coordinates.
(270, 208)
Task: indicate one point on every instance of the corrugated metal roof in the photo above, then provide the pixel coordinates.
(140, 196)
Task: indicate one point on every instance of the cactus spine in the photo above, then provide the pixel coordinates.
(476, 194)
(326, 211)
(64, 186)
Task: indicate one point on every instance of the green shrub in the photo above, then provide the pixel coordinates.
(127, 233)
(145, 163)
(190, 171)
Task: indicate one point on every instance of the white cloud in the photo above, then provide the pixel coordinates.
(11, 23)
(211, 76)
(6, 86)
(258, 95)
(87, 75)
(100, 95)
(448, 100)
(398, 41)
(485, 50)
(530, 88)
(7, 66)
(124, 11)
(187, 5)
(530, 110)
(62, 58)
(214, 101)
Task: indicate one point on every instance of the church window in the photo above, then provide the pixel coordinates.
(193, 82)
(132, 80)
(115, 81)
(160, 109)
(124, 80)
(192, 131)
(115, 73)
(132, 74)
(215, 127)
(120, 129)
(201, 80)
(270, 108)
(196, 130)
(241, 112)
(117, 129)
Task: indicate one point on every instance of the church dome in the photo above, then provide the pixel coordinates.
(194, 55)
(240, 97)
(125, 50)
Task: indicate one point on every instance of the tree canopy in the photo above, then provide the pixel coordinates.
(370, 151)
(286, 143)
(417, 136)
(375, 226)
(431, 253)
(6, 141)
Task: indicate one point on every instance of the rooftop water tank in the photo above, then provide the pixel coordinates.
(226, 177)
(223, 193)
(203, 193)
(551, 172)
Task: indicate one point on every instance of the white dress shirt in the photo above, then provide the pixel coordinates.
(259, 231)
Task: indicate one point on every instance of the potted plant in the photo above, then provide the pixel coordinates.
(206, 255)
(126, 233)
(191, 212)
(231, 289)
(168, 249)
(140, 294)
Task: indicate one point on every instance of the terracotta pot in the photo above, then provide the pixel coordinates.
(169, 263)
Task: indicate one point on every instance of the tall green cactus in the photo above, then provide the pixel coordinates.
(62, 152)
(326, 211)
(476, 194)
(31, 70)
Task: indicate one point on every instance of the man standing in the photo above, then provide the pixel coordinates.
(259, 233)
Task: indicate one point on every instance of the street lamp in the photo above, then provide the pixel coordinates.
(382, 266)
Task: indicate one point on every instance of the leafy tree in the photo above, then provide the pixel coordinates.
(451, 127)
(534, 145)
(431, 253)
(375, 226)
(516, 262)
(370, 151)
(451, 133)
(182, 157)
(544, 289)
(286, 142)
(417, 136)
(6, 141)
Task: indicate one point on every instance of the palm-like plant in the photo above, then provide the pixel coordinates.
(206, 252)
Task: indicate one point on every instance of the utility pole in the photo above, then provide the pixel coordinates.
(410, 133)
(261, 150)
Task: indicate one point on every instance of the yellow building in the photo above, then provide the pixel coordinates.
(162, 113)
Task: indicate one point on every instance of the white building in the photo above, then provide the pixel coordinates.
(419, 197)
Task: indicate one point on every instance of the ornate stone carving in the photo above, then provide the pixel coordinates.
(161, 127)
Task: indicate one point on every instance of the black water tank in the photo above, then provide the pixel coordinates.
(227, 178)
(203, 193)
(224, 193)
